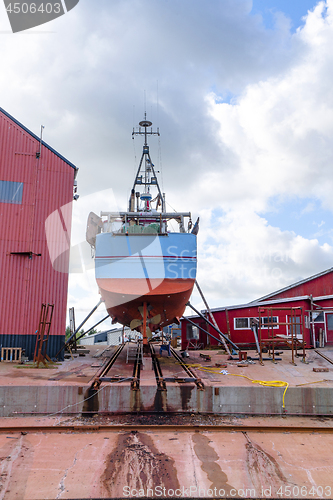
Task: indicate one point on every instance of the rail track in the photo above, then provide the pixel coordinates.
(160, 381)
(283, 429)
(189, 376)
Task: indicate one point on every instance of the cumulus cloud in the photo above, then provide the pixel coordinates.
(280, 129)
(242, 258)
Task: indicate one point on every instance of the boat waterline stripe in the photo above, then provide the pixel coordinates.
(144, 257)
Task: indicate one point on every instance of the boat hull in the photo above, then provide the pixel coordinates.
(158, 270)
(167, 300)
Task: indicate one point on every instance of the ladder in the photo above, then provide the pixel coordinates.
(43, 333)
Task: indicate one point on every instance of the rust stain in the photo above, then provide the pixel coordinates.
(263, 469)
(136, 401)
(160, 401)
(137, 464)
(208, 456)
(185, 394)
(91, 403)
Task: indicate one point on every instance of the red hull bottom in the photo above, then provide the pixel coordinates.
(166, 298)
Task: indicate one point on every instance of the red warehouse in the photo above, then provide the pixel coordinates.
(36, 185)
(307, 304)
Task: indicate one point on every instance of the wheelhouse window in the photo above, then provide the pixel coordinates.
(11, 192)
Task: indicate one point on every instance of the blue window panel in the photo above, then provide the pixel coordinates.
(11, 192)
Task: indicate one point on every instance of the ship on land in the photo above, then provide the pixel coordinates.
(145, 270)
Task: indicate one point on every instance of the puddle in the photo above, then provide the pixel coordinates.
(208, 456)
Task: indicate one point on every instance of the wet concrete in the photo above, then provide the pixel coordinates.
(139, 465)
(263, 468)
(208, 457)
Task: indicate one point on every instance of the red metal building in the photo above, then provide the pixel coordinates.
(309, 300)
(35, 181)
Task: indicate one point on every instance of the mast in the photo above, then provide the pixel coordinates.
(146, 175)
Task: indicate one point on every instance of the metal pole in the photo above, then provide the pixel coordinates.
(253, 328)
(78, 328)
(312, 323)
(211, 315)
(213, 326)
(144, 329)
(85, 333)
(260, 339)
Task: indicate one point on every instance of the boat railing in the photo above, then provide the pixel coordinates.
(145, 222)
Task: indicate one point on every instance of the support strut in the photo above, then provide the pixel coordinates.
(216, 329)
(78, 328)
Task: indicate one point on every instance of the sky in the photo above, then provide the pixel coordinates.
(242, 93)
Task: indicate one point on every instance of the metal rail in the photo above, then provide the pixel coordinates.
(135, 384)
(100, 375)
(160, 381)
(323, 356)
(189, 372)
(167, 428)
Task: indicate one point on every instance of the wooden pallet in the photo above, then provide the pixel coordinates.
(11, 354)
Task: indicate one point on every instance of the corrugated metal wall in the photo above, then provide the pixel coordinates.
(26, 280)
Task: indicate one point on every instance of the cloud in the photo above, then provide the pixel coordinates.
(279, 130)
(242, 258)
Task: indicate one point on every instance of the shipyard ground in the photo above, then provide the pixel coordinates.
(229, 438)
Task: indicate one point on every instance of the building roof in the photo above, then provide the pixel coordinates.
(262, 301)
(38, 139)
(293, 285)
(259, 303)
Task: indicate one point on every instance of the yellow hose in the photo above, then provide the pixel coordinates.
(265, 383)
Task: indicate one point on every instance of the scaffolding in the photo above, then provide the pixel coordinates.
(292, 339)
